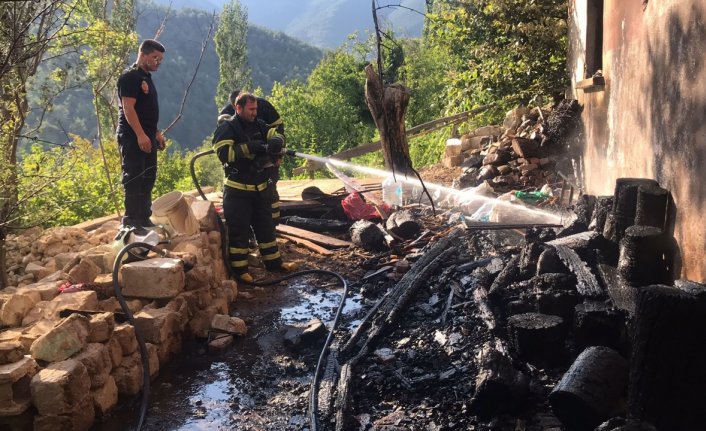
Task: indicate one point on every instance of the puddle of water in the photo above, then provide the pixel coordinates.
(249, 385)
(315, 302)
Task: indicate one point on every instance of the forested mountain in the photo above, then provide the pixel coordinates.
(271, 56)
(323, 23)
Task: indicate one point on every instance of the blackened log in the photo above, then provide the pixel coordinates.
(592, 390)
(549, 263)
(403, 224)
(507, 276)
(651, 206)
(642, 256)
(667, 373)
(342, 395)
(603, 206)
(499, 386)
(587, 284)
(538, 338)
(388, 105)
(560, 303)
(597, 323)
(368, 236)
(625, 204)
(316, 225)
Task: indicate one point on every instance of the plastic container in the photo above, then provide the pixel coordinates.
(392, 191)
(173, 209)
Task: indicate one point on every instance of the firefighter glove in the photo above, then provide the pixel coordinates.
(275, 145)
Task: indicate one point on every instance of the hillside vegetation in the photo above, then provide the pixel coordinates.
(472, 53)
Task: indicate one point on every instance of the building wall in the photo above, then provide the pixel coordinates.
(649, 120)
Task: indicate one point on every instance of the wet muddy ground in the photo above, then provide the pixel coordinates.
(257, 383)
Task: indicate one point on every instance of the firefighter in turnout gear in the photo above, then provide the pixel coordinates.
(245, 146)
(267, 113)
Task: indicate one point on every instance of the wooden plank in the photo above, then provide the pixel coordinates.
(307, 244)
(313, 236)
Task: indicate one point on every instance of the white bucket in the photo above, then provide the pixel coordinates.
(174, 207)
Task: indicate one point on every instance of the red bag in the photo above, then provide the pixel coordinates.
(356, 208)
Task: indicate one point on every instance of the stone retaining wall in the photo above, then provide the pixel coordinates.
(73, 369)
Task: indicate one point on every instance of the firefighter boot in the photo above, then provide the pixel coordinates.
(246, 277)
(289, 266)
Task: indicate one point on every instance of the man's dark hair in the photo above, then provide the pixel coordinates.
(244, 98)
(149, 46)
(233, 96)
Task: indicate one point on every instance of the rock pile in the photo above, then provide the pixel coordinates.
(521, 153)
(64, 346)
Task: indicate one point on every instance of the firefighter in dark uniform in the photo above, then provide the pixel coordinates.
(267, 113)
(137, 133)
(245, 146)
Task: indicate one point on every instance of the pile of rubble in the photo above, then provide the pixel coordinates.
(522, 153)
(553, 329)
(65, 348)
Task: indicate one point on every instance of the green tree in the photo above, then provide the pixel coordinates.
(232, 50)
(29, 28)
(327, 114)
(501, 48)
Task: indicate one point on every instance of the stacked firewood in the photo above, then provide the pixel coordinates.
(520, 154)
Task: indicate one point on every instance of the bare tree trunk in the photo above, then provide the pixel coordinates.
(388, 104)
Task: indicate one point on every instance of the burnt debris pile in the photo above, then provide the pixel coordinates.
(578, 328)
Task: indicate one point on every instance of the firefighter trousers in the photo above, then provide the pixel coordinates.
(243, 209)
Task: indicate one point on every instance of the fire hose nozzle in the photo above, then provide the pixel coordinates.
(290, 152)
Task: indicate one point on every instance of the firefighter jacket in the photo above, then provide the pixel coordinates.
(241, 147)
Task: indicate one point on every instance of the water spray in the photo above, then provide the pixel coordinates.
(461, 197)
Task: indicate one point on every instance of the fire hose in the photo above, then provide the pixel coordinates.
(313, 391)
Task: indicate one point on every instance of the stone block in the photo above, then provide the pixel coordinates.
(488, 131)
(37, 270)
(63, 340)
(105, 281)
(96, 358)
(228, 324)
(453, 161)
(125, 334)
(46, 290)
(105, 397)
(153, 278)
(221, 305)
(15, 308)
(153, 354)
(101, 327)
(205, 213)
(197, 278)
(115, 351)
(453, 147)
(169, 349)
(60, 387)
(110, 305)
(86, 300)
(221, 342)
(156, 324)
(11, 351)
(102, 259)
(128, 375)
(80, 418)
(15, 386)
(63, 259)
(57, 276)
(34, 331)
(232, 286)
(181, 307)
(201, 322)
(85, 272)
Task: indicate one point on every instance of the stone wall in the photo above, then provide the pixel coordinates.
(649, 118)
(73, 367)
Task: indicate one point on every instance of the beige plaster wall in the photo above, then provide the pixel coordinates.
(650, 119)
